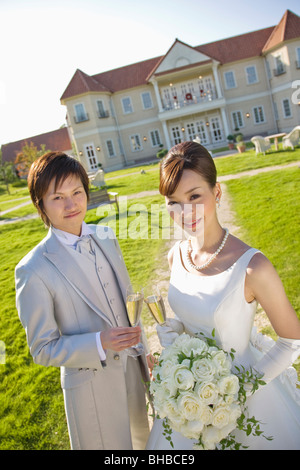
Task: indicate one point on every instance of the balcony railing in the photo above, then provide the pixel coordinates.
(188, 100)
(81, 118)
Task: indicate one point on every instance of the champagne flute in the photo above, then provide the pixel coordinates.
(134, 304)
(156, 306)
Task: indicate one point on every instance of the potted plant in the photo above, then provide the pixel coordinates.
(230, 140)
(240, 145)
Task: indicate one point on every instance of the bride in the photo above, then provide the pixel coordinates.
(216, 282)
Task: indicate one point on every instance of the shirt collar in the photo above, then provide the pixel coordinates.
(69, 238)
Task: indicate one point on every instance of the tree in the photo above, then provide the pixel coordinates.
(27, 156)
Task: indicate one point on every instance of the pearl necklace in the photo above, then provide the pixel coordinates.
(190, 249)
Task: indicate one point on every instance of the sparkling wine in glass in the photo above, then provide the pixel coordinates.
(156, 306)
(134, 304)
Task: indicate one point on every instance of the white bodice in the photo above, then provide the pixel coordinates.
(204, 303)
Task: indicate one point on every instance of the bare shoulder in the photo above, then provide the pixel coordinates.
(261, 274)
(260, 265)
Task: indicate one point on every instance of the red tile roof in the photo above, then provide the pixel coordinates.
(58, 140)
(237, 47)
(288, 28)
(232, 49)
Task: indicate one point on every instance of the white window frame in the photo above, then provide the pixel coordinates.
(298, 57)
(248, 75)
(155, 138)
(136, 142)
(127, 111)
(91, 156)
(229, 86)
(78, 116)
(201, 130)
(279, 64)
(110, 142)
(260, 121)
(102, 113)
(284, 109)
(146, 95)
(216, 129)
(238, 116)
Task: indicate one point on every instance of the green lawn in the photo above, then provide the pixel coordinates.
(267, 208)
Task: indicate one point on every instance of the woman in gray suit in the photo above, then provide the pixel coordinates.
(70, 295)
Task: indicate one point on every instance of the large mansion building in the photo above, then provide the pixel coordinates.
(246, 83)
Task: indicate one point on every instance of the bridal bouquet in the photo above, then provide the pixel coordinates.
(196, 394)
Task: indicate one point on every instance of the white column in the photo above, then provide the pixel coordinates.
(225, 123)
(217, 81)
(157, 94)
(166, 133)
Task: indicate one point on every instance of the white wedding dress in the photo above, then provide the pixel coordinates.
(204, 303)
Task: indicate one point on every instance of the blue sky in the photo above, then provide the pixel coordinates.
(43, 42)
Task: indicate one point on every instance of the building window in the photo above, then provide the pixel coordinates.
(110, 148)
(229, 80)
(135, 142)
(147, 100)
(101, 110)
(201, 132)
(155, 138)
(80, 114)
(127, 105)
(251, 74)
(216, 131)
(258, 113)
(237, 119)
(176, 136)
(298, 58)
(279, 66)
(286, 108)
(91, 156)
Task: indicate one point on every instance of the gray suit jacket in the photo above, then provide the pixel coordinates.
(61, 311)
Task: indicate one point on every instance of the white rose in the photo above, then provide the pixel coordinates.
(165, 368)
(181, 340)
(195, 345)
(204, 369)
(222, 362)
(235, 413)
(169, 354)
(191, 429)
(189, 406)
(207, 392)
(182, 377)
(229, 385)
(221, 417)
(210, 437)
(171, 409)
(192, 409)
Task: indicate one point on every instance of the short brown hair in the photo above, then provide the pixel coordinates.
(51, 165)
(185, 156)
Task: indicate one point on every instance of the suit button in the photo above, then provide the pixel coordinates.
(116, 357)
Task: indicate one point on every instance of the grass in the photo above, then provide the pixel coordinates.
(267, 207)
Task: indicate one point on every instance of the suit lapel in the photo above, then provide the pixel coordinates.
(66, 264)
(115, 258)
